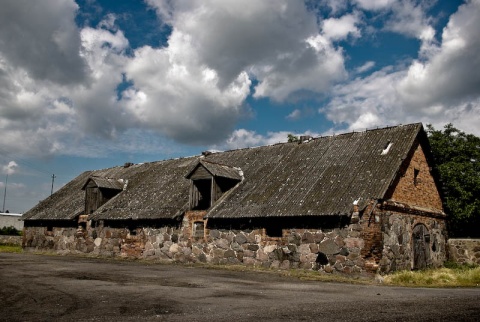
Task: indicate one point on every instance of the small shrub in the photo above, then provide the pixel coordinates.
(10, 231)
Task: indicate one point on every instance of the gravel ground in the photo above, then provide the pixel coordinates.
(41, 288)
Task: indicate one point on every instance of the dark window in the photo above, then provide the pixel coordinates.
(203, 194)
(415, 176)
(274, 231)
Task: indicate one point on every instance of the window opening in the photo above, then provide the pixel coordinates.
(274, 231)
(203, 191)
(416, 172)
(198, 229)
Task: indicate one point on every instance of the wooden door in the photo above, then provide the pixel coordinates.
(421, 247)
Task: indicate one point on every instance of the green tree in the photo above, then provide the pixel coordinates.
(292, 138)
(457, 158)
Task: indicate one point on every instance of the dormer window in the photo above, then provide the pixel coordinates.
(209, 181)
(99, 190)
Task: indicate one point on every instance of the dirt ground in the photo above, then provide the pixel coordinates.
(41, 288)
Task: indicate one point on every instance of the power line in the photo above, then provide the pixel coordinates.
(16, 158)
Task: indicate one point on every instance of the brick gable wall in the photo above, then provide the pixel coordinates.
(420, 191)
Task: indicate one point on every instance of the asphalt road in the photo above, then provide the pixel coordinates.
(41, 288)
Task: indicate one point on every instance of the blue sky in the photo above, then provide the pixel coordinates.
(92, 84)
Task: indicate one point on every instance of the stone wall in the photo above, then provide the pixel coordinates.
(464, 251)
(397, 231)
(10, 240)
(381, 241)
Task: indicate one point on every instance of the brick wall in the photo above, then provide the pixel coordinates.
(420, 191)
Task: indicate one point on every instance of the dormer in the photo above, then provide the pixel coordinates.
(99, 190)
(209, 181)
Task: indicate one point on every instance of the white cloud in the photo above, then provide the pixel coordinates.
(335, 5)
(192, 90)
(341, 28)
(450, 75)
(441, 89)
(40, 38)
(243, 138)
(365, 67)
(374, 4)
(275, 42)
(10, 168)
(295, 115)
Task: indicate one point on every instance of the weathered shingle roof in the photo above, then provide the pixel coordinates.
(317, 178)
(321, 177)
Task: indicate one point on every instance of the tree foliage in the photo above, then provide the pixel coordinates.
(457, 158)
(292, 138)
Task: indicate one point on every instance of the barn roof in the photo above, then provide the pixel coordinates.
(323, 176)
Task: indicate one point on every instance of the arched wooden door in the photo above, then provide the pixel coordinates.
(421, 247)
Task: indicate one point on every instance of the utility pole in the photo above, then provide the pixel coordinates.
(5, 193)
(53, 179)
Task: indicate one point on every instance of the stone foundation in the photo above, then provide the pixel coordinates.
(464, 251)
(379, 242)
(11, 240)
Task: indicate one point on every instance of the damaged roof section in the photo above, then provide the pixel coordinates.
(320, 178)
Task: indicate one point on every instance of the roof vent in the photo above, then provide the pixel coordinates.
(387, 147)
(304, 138)
(127, 164)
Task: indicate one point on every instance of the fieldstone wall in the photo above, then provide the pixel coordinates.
(397, 231)
(62, 240)
(336, 250)
(10, 240)
(380, 243)
(464, 251)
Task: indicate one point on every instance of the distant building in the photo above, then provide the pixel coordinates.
(11, 220)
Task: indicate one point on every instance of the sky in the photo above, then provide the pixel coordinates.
(91, 84)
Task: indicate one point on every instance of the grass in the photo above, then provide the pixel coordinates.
(10, 249)
(448, 276)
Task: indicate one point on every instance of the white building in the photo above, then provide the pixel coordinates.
(8, 219)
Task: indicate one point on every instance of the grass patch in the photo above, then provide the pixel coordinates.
(458, 276)
(10, 249)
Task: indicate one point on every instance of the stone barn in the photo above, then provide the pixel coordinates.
(351, 203)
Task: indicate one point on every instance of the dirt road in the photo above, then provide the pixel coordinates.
(41, 288)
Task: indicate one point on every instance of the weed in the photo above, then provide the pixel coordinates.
(10, 249)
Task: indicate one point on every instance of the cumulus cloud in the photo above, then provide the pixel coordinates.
(10, 168)
(40, 38)
(243, 138)
(441, 89)
(81, 84)
(275, 42)
(374, 4)
(341, 28)
(451, 74)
